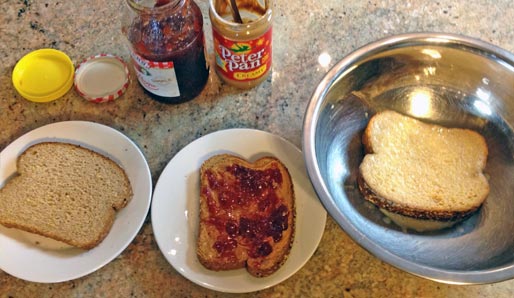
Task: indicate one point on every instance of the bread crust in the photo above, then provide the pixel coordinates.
(406, 210)
(30, 173)
(229, 203)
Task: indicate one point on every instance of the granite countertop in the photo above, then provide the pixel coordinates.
(303, 30)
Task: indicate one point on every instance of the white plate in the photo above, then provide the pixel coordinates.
(22, 258)
(175, 208)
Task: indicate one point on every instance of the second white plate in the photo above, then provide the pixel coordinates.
(175, 211)
(49, 263)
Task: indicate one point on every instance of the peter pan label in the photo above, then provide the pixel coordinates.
(243, 60)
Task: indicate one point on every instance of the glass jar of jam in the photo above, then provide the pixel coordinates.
(242, 38)
(167, 47)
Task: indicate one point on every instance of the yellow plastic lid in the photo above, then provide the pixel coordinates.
(43, 75)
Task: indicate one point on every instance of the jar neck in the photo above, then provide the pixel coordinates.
(155, 6)
(262, 20)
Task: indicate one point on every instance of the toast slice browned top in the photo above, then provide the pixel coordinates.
(423, 170)
(247, 213)
(64, 192)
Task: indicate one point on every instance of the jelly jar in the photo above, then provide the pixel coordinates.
(167, 47)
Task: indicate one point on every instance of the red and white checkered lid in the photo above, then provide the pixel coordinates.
(101, 78)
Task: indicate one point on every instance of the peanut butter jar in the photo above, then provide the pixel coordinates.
(242, 45)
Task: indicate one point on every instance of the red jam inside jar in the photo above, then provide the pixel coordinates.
(167, 48)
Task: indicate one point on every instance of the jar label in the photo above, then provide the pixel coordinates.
(158, 78)
(243, 60)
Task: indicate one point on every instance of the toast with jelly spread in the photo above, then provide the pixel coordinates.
(247, 214)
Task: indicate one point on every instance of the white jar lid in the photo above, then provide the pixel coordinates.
(102, 78)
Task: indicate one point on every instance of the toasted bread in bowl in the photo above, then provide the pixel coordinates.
(422, 171)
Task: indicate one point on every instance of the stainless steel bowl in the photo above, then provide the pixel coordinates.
(447, 79)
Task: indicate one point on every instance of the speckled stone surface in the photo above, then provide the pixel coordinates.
(302, 31)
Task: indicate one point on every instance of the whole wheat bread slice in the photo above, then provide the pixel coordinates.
(422, 170)
(247, 213)
(64, 192)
